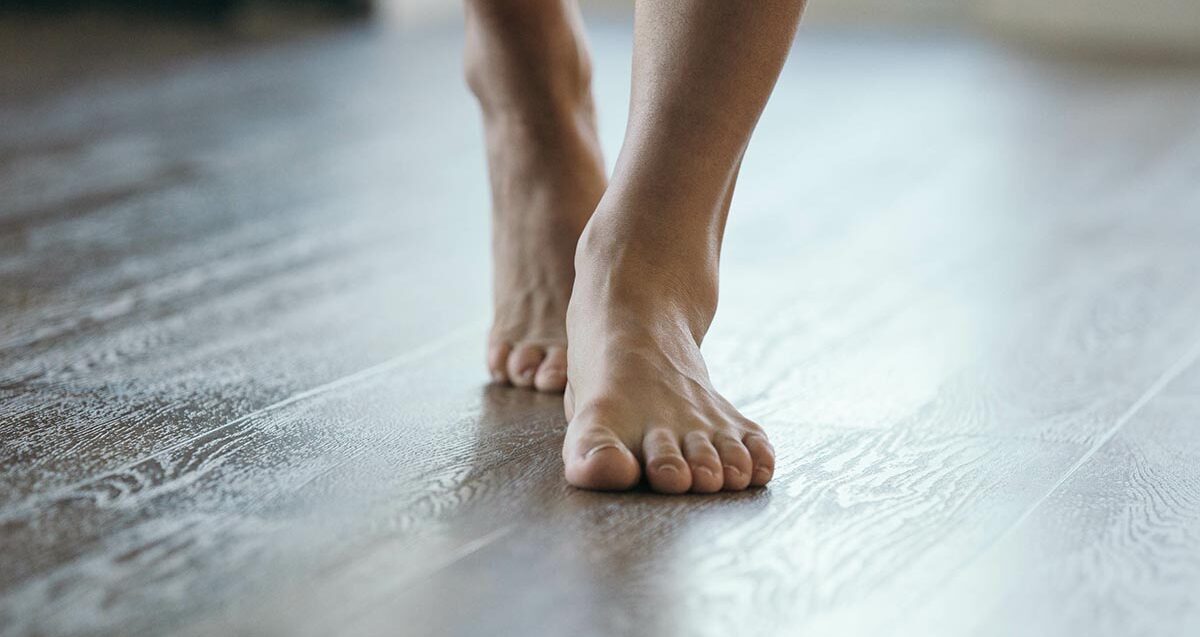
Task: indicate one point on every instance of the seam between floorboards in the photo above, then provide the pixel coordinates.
(359, 614)
(374, 370)
(1172, 372)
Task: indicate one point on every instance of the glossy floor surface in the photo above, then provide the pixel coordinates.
(244, 291)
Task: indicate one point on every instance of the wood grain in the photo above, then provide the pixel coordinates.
(1111, 551)
(244, 291)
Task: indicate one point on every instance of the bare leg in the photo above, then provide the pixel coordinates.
(639, 399)
(526, 61)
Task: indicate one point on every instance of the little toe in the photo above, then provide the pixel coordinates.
(705, 463)
(595, 458)
(523, 363)
(497, 360)
(762, 455)
(735, 460)
(552, 373)
(666, 470)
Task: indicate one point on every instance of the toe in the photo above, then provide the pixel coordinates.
(497, 359)
(666, 470)
(551, 375)
(705, 463)
(735, 460)
(762, 455)
(595, 458)
(523, 363)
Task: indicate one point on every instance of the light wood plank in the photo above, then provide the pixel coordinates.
(1113, 550)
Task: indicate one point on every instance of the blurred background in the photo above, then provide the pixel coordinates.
(44, 43)
(1149, 26)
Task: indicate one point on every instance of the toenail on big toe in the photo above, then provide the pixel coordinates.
(598, 448)
(607, 466)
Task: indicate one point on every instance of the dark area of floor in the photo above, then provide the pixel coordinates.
(244, 292)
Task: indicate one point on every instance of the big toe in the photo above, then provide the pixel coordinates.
(595, 458)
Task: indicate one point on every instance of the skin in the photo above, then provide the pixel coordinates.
(638, 399)
(527, 63)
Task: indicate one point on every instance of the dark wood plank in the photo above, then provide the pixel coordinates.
(195, 282)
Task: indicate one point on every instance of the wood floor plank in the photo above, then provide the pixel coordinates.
(1112, 551)
(183, 284)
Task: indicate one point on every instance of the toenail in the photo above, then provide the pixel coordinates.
(705, 471)
(734, 470)
(527, 374)
(499, 377)
(763, 471)
(597, 449)
(667, 467)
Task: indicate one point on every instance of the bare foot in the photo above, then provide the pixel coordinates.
(528, 66)
(639, 399)
(545, 184)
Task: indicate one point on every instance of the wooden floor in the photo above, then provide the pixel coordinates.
(245, 289)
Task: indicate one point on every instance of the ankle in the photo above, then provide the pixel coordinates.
(534, 107)
(553, 165)
(561, 130)
(625, 263)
